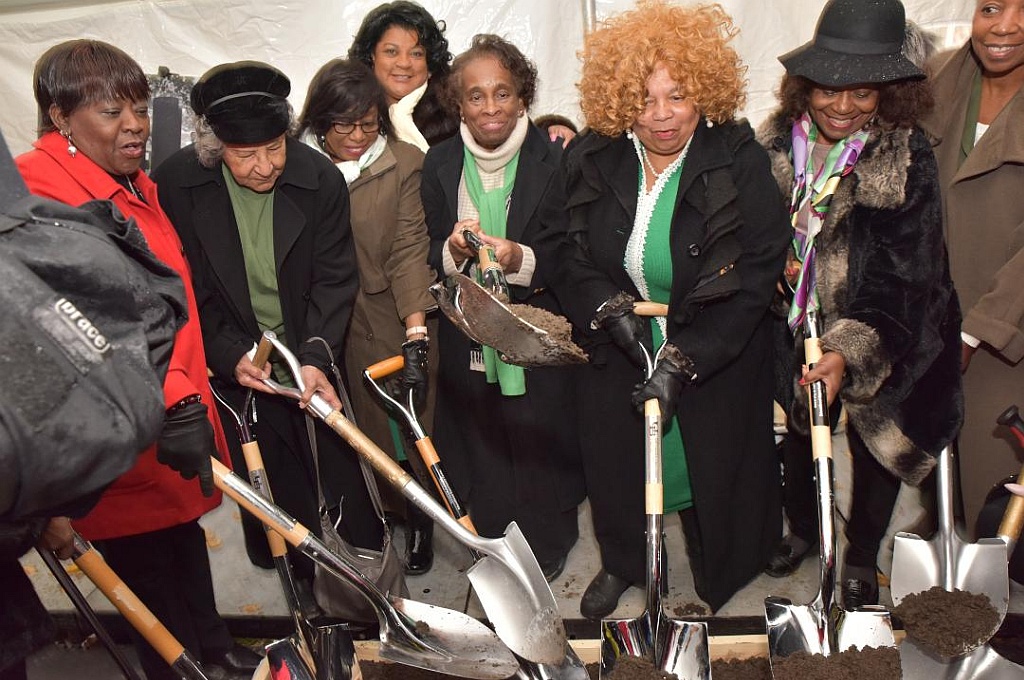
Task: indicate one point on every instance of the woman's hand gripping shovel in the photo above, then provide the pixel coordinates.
(572, 667)
(326, 652)
(484, 313)
(821, 626)
(507, 579)
(973, 571)
(671, 645)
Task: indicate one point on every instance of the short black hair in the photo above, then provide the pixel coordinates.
(343, 89)
(76, 73)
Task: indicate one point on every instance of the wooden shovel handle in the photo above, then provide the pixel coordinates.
(1013, 516)
(817, 403)
(263, 351)
(293, 536)
(386, 367)
(258, 478)
(648, 308)
(126, 602)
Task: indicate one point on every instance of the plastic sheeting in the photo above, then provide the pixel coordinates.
(297, 36)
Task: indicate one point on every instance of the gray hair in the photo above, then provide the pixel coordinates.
(918, 45)
(209, 147)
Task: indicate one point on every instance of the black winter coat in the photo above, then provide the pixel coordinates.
(729, 233)
(888, 304)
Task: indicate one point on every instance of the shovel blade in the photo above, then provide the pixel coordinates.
(869, 626)
(487, 320)
(334, 653)
(815, 630)
(518, 600)
(286, 662)
(470, 649)
(682, 649)
(981, 664)
(981, 568)
(625, 637)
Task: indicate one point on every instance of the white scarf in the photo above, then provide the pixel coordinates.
(401, 119)
(492, 161)
(351, 170)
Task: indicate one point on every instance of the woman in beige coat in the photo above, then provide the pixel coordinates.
(979, 123)
(345, 117)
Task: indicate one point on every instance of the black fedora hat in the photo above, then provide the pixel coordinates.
(245, 102)
(855, 41)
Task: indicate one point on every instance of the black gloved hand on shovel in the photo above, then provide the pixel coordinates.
(186, 444)
(674, 370)
(414, 375)
(626, 329)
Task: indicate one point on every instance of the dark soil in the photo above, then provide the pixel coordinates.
(754, 668)
(558, 327)
(380, 670)
(635, 668)
(877, 664)
(948, 623)
(689, 609)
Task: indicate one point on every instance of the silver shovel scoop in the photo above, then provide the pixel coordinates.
(489, 321)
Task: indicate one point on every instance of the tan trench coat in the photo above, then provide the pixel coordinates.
(984, 212)
(391, 252)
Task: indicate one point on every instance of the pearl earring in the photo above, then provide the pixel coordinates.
(72, 149)
(709, 123)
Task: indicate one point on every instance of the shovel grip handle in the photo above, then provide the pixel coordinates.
(293, 535)
(128, 603)
(648, 308)
(451, 500)
(386, 367)
(817, 403)
(1013, 517)
(263, 350)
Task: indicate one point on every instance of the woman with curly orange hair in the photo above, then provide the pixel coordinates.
(668, 198)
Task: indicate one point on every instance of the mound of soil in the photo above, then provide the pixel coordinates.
(882, 663)
(635, 668)
(949, 623)
(379, 670)
(754, 668)
(557, 326)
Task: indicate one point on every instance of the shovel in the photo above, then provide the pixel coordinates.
(336, 663)
(507, 580)
(984, 663)
(673, 646)
(411, 633)
(572, 667)
(948, 561)
(132, 609)
(822, 627)
(483, 313)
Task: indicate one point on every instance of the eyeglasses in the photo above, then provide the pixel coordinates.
(343, 128)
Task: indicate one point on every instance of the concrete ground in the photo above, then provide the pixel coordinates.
(251, 600)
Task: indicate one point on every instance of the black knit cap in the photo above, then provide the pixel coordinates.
(855, 41)
(245, 102)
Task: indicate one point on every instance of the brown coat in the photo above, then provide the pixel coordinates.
(984, 219)
(391, 253)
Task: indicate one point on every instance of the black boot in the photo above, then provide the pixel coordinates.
(419, 541)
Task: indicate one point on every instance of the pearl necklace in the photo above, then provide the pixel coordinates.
(646, 201)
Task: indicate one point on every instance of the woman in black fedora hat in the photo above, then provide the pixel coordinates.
(868, 256)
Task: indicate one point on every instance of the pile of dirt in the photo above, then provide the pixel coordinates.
(558, 327)
(380, 670)
(636, 668)
(882, 663)
(950, 623)
(689, 609)
(753, 668)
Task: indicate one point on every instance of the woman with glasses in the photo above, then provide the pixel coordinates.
(345, 118)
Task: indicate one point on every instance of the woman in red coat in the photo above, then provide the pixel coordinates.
(94, 123)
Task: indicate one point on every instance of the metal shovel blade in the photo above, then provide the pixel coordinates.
(286, 662)
(948, 561)
(489, 321)
(814, 629)
(984, 663)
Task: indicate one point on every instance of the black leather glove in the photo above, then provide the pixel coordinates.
(626, 328)
(674, 370)
(186, 444)
(414, 374)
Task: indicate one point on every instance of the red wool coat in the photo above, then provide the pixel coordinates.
(150, 496)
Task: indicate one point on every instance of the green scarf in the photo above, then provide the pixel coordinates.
(492, 206)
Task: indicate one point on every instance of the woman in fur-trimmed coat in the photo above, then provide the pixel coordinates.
(887, 308)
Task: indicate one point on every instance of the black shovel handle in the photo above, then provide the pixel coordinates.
(491, 273)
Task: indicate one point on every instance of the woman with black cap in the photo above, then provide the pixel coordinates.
(264, 221)
(868, 256)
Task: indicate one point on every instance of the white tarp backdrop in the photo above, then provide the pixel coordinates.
(297, 36)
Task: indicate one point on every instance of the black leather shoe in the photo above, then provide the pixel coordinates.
(553, 569)
(602, 595)
(238, 659)
(419, 550)
(786, 559)
(857, 593)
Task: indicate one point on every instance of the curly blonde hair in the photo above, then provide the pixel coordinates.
(692, 42)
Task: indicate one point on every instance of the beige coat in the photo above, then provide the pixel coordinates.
(984, 212)
(391, 252)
